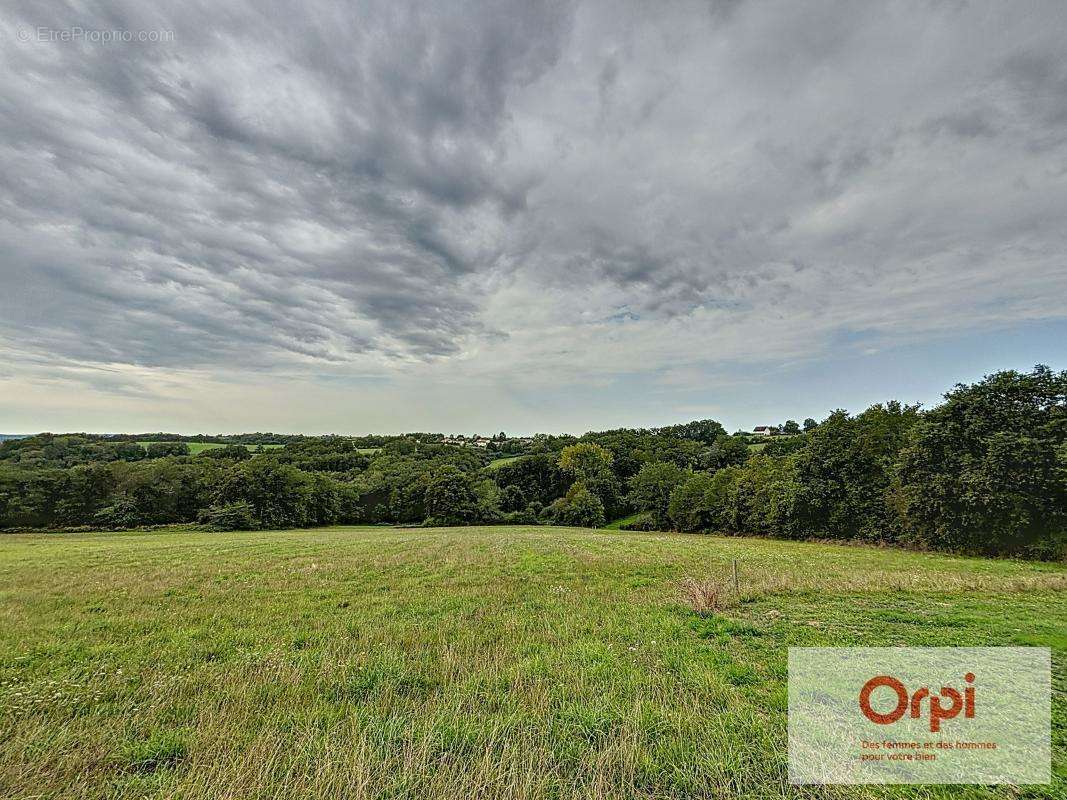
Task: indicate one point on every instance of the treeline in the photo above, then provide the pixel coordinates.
(248, 439)
(984, 472)
(47, 450)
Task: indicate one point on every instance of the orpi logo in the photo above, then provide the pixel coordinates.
(913, 705)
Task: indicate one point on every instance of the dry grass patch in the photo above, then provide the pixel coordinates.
(703, 596)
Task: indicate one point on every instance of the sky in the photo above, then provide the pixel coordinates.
(523, 216)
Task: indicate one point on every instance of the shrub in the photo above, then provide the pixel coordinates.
(231, 452)
(547, 515)
(524, 517)
(579, 508)
(239, 516)
(642, 522)
(122, 513)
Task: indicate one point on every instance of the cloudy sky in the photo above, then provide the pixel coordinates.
(317, 217)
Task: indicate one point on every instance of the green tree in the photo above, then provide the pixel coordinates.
(608, 490)
(785, 445)
(791, 426)
(761, 496)
(585, 460)
(727, 451)
(845, 471)
(450, 498)
(231, 452)
(280, 496)
(164, 449)
(239, 516)
(590, 464)
(407, 499)
(689, 509)
(401, 446)
(984, 471)
(651, 487)
(580, 508)
(705, 431)
(537, 476)
(720, 498)
(155, 492)
(488, 495)
(513, 498)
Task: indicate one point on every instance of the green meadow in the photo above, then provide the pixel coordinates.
(492, 662)
(200, 447)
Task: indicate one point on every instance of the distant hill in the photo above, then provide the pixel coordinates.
(5, 436)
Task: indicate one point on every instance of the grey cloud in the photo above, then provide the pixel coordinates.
(970, 124)
(781, 123)
(183, 170)
(329, 186)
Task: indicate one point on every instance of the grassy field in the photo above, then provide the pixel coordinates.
(456, 663)
(200, 447)
(499, 462)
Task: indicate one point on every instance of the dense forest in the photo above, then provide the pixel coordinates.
(983, 472)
